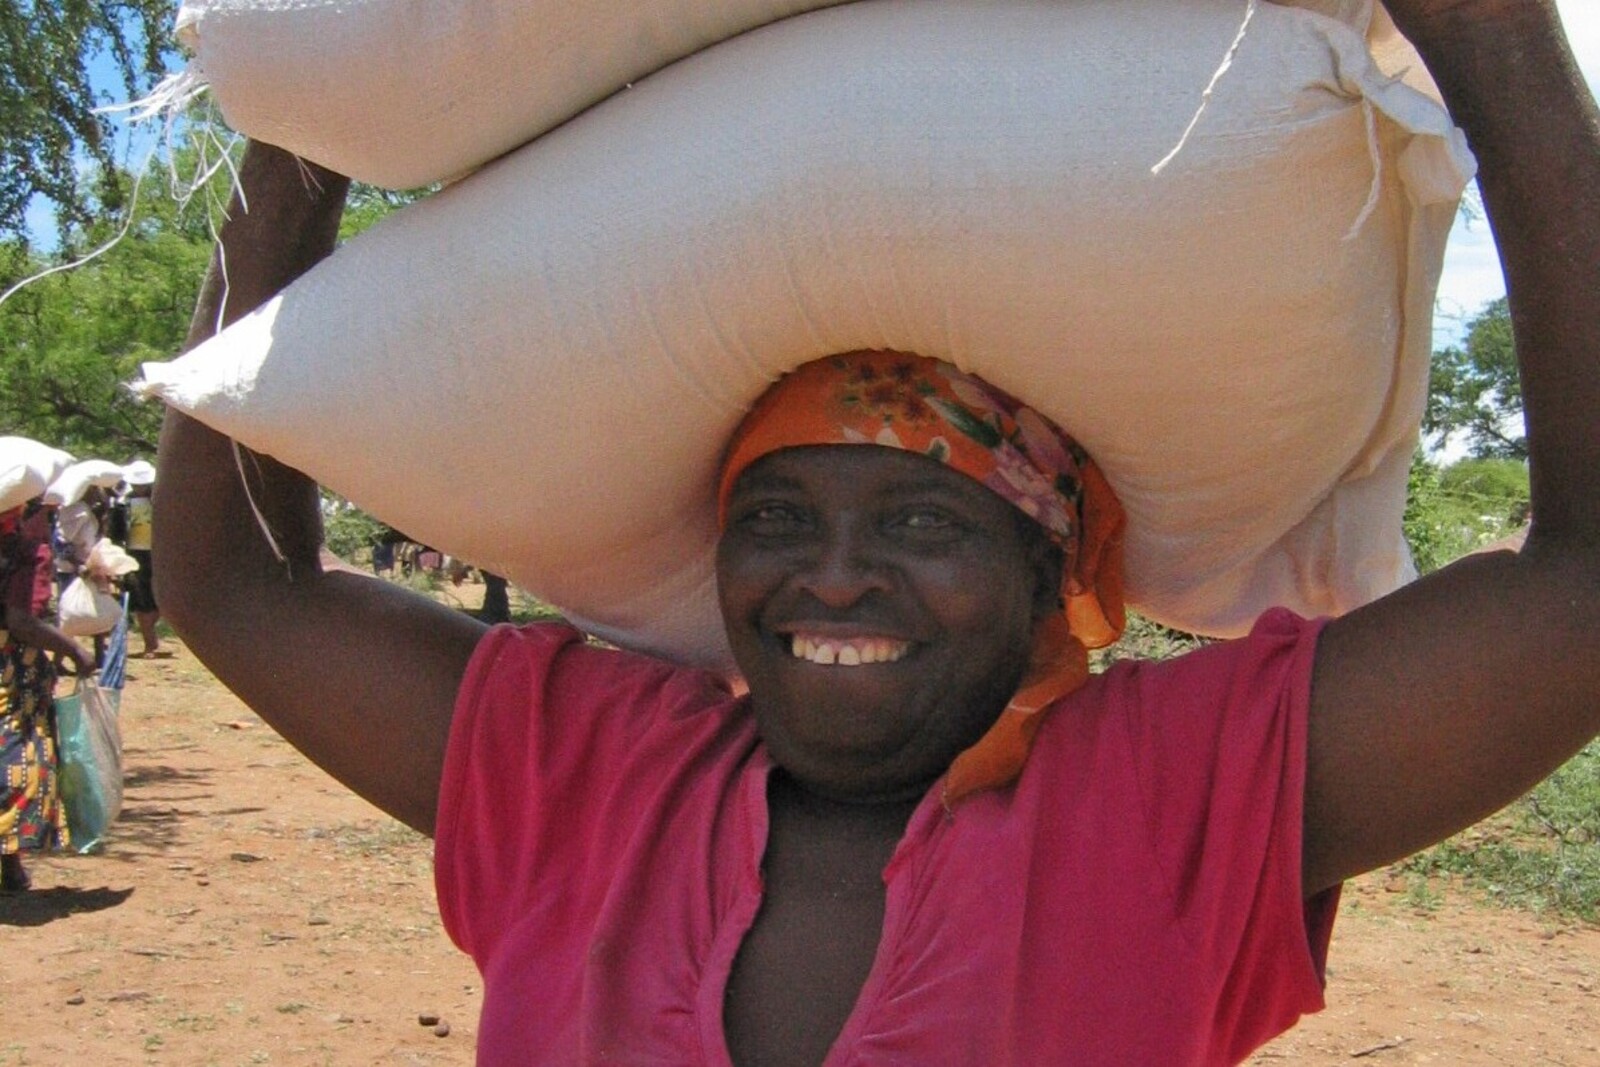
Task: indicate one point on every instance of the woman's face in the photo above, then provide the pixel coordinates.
(881, 607)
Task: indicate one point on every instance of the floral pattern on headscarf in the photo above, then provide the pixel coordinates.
(928, 406)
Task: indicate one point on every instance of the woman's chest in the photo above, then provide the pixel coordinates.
(800, 970)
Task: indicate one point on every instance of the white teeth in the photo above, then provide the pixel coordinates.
(828, 651)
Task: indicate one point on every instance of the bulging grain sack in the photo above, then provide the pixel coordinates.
(536, 370)
(74, 480)
(401, 93)
(27, 467)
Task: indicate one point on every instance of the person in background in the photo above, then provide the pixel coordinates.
(78, 528)
(383, 558)
(31, 815)
(139, 502)
(496, 599)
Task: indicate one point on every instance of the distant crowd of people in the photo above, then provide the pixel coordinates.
(75, 545)
(396, 555)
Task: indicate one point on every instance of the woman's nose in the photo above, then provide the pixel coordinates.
(846, 566)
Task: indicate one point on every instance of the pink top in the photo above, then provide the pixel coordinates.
(27, 578)
(1133, 899)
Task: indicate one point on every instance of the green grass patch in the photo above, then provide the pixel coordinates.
(526, 609)
(1143, 639)
(1540, 854)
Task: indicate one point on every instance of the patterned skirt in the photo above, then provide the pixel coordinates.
(31, 815)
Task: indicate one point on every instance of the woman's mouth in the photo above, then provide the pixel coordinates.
(846, 652)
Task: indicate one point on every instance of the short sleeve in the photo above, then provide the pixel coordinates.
(28, 584)
(1219, 739)
(542, 773)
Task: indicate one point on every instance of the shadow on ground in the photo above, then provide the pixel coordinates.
(156, 802)
(41, 906)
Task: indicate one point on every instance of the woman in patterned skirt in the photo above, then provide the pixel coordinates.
(31, 816)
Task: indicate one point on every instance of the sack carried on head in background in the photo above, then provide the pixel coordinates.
(27, 468)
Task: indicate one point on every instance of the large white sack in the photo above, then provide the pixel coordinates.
(401, 93)
(27, 467)
(536, 369)
(70, 485)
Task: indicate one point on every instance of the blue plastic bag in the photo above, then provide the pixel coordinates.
(90, 751)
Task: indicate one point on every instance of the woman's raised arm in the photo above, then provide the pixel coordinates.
(357, 673)
(1441, 703)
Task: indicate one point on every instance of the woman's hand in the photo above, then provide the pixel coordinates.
(28, 629)
(82, 660)
(1423, 16)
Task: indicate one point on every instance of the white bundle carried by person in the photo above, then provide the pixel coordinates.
(86, 606)
(1238, 330)
(27, 467)
(69, 486)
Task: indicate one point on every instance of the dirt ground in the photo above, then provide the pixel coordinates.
(247, 910)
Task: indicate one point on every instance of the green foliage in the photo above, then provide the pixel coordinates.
(526, 608)
(348, 531)
(1143, 639)
(1496, 488)
(1456, 509)
(70, 341)
(47, 100)
(367, 204)
(1474, 390)
(1542, 853)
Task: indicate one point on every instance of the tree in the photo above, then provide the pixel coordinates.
(1496, 490)
(71, 341)
(1475, 389)
(47, 99)
(1453, 510)
(368, 204)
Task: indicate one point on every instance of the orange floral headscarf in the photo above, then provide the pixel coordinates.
(929, 407)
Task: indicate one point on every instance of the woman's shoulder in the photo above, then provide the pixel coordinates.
(1276, 633)
(552, 669)
(1197, 697)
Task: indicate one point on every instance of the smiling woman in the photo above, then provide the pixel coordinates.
(924, 834)
(882, 608)
(1058, 544)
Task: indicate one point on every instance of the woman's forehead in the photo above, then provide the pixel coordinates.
(807, 464)
(856, 471)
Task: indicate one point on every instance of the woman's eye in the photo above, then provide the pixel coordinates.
(772, 518)
(928, 519)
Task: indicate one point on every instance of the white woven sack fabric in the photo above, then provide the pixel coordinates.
(401, 93)
(537, 369)
(69, 486)
(27, 467)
